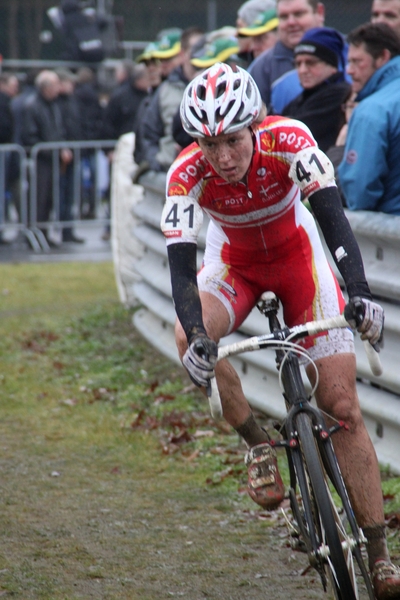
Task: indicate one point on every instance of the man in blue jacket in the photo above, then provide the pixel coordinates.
(370, 170)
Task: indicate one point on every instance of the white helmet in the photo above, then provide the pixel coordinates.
(220, 100)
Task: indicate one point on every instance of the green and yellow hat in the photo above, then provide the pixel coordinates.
(148, 52)
(212, 52)
(266, 21)
(168, 45)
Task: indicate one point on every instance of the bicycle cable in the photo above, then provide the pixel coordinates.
(285, 345)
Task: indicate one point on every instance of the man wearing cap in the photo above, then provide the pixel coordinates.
(167, 49)
(222, 49)
(247, 14)
(369, 171)
(295, 18)
(262, 33)
(319, 64)
(157, 144)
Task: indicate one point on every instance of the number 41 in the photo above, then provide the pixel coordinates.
(301, 172)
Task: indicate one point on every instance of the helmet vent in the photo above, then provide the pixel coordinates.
(221, 89)
(221, 116)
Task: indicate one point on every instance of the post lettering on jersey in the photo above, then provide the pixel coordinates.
(181, 219)
(312, 170)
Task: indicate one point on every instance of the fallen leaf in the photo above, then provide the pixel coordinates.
(200, 433)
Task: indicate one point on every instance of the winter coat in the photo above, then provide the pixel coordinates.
(320, 108)
(121, 110)
(370, 170)
(159, 146)
(42, 122)
(90, 111)
(269, 66)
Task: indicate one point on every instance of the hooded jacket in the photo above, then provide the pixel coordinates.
(369, 172)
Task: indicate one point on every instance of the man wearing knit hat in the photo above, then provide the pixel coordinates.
(319, 64)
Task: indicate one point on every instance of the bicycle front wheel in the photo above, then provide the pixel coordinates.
(334, 552)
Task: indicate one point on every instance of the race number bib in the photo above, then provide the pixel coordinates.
(312, 170)
(181, 219)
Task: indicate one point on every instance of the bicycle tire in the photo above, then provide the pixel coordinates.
(333, 473)
(336, 559)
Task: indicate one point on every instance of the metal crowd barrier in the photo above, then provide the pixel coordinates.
(22, 193)
(379, 238)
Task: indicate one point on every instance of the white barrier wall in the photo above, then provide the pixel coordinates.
(379, 238)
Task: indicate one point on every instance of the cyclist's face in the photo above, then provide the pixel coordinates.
(230, 154)
(295, 18)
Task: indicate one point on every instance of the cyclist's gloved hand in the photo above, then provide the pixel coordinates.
(200, 359)
(368, 318)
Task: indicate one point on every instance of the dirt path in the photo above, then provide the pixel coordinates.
(92, 525)
(90, 505)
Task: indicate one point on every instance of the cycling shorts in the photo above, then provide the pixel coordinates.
(308, 290)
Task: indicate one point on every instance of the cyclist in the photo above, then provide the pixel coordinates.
(247, 172)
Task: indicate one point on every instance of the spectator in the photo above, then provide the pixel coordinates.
(246, 15)
(251, 10)
(336, 152)
(123, 71)
(262, 34)
(318, 60)
(158, 144)
(154, 71)
(90, 109)
(295, 18)
(219, 49)
(69, 107)
(8, 88)
(369, 172)
(18, 109)
(120, 112)
(161, 58)
(167, 49)
(42, 122)
(19, 101)
(82, 37)
(91, 122)
(386, 11)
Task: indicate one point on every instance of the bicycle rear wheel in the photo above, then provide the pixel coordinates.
(335, 548)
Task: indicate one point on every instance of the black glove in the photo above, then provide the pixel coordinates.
(368, 318)
(200, 359)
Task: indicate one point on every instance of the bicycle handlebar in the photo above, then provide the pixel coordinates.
(296, 332)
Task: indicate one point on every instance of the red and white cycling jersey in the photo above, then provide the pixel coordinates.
(261, 214)
(261, 236)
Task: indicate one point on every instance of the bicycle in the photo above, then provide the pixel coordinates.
(328, 533)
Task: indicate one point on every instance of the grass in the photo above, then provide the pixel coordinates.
(106, 448)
